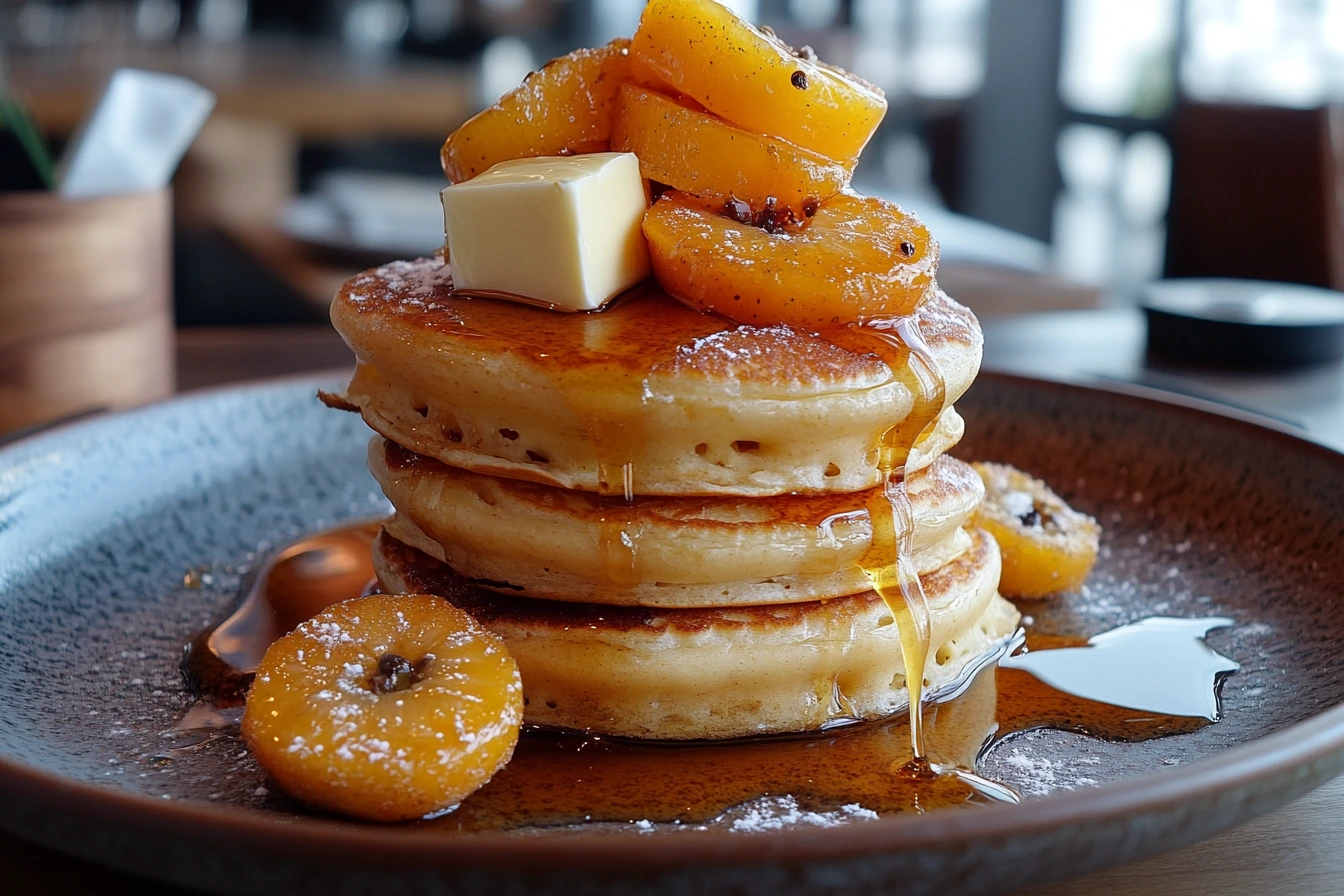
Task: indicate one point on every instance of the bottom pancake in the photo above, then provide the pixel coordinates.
(679, 674)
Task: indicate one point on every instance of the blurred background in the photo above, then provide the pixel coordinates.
(1114, 137)
(1065, 152)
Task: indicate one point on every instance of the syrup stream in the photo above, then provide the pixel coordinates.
(889, 563)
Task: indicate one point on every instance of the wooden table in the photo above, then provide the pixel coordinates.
(315, 91)
(1297, 851)
(214, 356)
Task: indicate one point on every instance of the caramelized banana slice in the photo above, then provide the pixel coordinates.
(1047, 546)
(692, 150)
(566, 106)
(385, 707)
(752, 79)
(856, 258)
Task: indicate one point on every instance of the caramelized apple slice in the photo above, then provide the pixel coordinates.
(1047, 546)
(858, 258)
(566, 106)
(692, 150)
(752, 79)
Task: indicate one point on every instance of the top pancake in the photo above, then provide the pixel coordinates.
(646, 395)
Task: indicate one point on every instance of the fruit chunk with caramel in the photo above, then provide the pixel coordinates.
(1047, 546)
(566, 107)
(388, 707)
(752, 79)
(692, 150)
(856, 258)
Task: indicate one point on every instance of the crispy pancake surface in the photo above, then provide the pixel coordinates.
(720, 673)
(646, 396)
(539, 541)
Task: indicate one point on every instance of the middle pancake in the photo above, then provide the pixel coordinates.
(538, 541)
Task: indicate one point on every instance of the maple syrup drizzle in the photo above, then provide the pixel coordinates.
(618, 529)
(565, 777)
(889, 562)
(892, 508)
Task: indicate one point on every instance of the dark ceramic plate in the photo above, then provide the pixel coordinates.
(121, 536)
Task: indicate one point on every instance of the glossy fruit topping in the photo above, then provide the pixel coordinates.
(565, 107)
(750, 78)
(856, 258)
(695, 151)
(1047, 546)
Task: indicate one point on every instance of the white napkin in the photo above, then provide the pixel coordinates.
(136, 135)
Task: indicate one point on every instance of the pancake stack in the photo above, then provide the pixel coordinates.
(664, 514)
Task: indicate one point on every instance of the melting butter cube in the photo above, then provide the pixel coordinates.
(562, 230)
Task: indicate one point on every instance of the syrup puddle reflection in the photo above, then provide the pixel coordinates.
(1159, 665)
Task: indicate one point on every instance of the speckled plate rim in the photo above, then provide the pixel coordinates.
(1209, 795)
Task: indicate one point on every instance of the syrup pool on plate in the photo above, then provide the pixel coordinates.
(854, 771)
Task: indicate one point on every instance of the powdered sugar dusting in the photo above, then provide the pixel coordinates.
(778, 813)
(1038, 776)
(328, 634)
(941, 317)
(771, 355)
(418, 283)
(419, 277)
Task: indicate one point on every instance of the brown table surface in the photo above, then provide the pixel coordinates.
(1295, 851)
(315, 91)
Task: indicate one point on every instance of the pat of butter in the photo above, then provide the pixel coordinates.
(562, 230)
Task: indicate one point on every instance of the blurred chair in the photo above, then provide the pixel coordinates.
(1257, 192)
